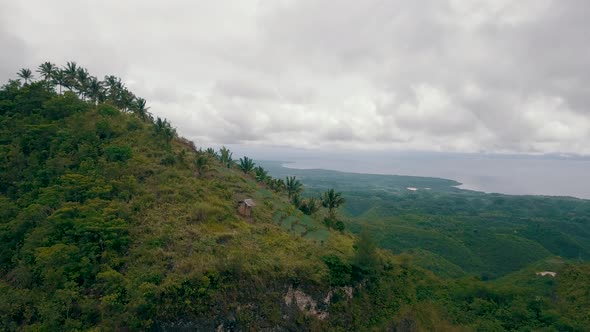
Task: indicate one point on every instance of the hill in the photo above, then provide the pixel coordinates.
(468, 232)
(110, 221)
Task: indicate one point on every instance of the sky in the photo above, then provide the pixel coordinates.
(492, 76)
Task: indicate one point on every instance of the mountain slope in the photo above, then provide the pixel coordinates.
(109, 221)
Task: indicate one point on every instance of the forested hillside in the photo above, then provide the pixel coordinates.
(110, 221)
(456, 232)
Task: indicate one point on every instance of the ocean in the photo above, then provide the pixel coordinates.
(507, 174)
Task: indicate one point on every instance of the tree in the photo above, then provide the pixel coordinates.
(114, 86)
(165, 129)
(59, 78)
(297, 201)
(246, 165)
(202, 164)
(70, 72)
(339, 271)
(332, 200)
(309, 206)
(46, 70)
(225, 156)
(365, 258)
(25, 74)
(261, 174)
(83, 81)
(277, 185)
(95, 90)
(293, 186)
(126, 99)
(140, 109)
(211, 152)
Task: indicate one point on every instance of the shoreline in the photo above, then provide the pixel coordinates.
(461, 184)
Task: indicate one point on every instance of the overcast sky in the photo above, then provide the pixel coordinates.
(432, 75)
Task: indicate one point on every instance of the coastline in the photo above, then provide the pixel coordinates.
(488, 184)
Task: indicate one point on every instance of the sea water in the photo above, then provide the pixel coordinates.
(507, 174)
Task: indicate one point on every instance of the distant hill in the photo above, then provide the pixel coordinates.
(488, 235)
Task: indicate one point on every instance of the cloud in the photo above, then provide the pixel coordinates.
(454, 75)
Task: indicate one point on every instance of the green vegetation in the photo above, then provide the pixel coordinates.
(466, 232)
(293, 186)
(332, 200)
(246, 165)
(225, 157)
(110, 221)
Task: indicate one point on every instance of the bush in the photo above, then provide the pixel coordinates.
(339, 271)
(107, 110)
(118, 153)
(334, 224)
(62, 106)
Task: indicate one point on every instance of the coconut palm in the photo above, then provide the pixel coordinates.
(82, 81)
(225, 156)
(332, 200)
(246, 165)
(293, 186)
(126, 99)
(165, 129)
(95, 90)
(114, 86)
(70, 72)
(59, 78)
(140, 109)
(202, 164)
(46, 70)
(261, 174)
(309, 206)
(297, 200)
(211, 152)
(277, 184)
(25, 74)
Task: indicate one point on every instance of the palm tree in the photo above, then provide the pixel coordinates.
(141, 109)
(297, 201)
(164, 128)
(47, 69)
(277, 185)
(261, 174)
(59, 78)
(211, 152)
(83, 80)
(246, 165)
(95, 90)
(70, 72)
(113, 85)
(309, 206)
(332, 200)
(225, 156)
(293, 186)
(25, 74)
(202, 164)
(126, 99)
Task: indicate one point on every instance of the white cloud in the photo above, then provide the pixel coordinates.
(455, 75)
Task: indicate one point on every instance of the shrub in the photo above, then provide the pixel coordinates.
(118, 153)
(339, 271)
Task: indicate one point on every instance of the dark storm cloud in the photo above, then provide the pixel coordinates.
(455, 75)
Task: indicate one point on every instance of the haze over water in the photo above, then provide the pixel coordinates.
(507, 174)
(498, 174)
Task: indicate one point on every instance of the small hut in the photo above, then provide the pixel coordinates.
(245, 207)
